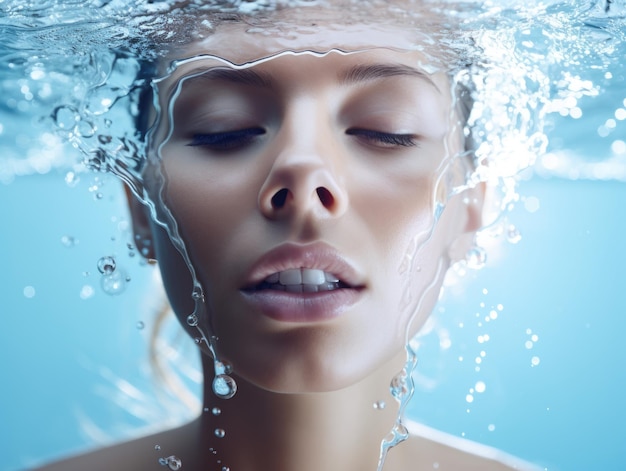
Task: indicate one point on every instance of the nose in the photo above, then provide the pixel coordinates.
(304, 180)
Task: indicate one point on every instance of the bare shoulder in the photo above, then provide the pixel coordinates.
(139, 454)
(433, 449)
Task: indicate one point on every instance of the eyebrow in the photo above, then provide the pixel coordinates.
(365, 73)
(240, 76)
(354, 75)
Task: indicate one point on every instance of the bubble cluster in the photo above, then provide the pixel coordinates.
(172, 462)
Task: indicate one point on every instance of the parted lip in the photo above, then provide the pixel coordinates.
(319, 256)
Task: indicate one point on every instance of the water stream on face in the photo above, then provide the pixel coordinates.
(527, 68)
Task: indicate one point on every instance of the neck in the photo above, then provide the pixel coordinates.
(306, 432)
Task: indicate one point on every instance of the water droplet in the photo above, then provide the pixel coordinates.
(220, 432)
(476, 258)
(86, 129)
(223, 367)
(71, 179)
(224, 386)
(192, 320)
(68, 241)
(172, 462)
(216, 411)
(225, 468)
(65, 117)
(106, 265)
(513, 235)
(398, 386)
(157, 447)
(113, 284)
(140, 326)
(86, 292)
(29, 292)
(379, 405)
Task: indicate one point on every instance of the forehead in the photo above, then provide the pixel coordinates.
(401, 25)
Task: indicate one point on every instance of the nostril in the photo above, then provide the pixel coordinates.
(279, 199)
(325, 197)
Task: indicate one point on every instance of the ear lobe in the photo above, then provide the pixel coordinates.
(473, 202)
(141, 225)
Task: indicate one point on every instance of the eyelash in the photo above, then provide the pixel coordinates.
(385, 138)
(231, 140)
(224, 141)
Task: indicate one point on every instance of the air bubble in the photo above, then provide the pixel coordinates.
(379, 405)
(222, 367)
(68, 241)
(140, 326)
(157, 447)
(224, 386)
(480, 387)
(29, 292)
(534, 361)
(113, 284)
(225, 468)
(219, 432)
(71, 179)
(513, 235)
(172, 462)
(398, 386)
(476, 258)
(491, 427)
(216, 411)
(86, 292)
(106, 265)
(65, 117)
(192, 320)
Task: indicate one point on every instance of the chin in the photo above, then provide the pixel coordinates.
(317, 369)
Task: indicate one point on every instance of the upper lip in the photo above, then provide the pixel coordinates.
(319, 256)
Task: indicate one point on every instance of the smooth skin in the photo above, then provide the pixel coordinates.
(349, 153)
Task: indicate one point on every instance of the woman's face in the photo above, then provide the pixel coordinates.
(304, 188)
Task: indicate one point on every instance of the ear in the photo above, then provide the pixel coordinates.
(472, 205)
(142, 228)
(474, 200)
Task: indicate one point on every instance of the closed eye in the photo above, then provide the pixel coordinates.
(227, 140)
(384, 139)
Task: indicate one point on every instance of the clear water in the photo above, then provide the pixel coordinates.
(524, 353)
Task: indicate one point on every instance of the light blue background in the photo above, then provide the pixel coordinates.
(564, 280)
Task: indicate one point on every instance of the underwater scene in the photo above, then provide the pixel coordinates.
(98, 106)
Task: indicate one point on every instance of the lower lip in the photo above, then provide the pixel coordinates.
(302, 307)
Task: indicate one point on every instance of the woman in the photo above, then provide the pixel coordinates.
(305, 191)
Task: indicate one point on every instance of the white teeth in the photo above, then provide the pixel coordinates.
(310, 288)
(330, 278)
(302, 280)
(291, 277)
(313, 277)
